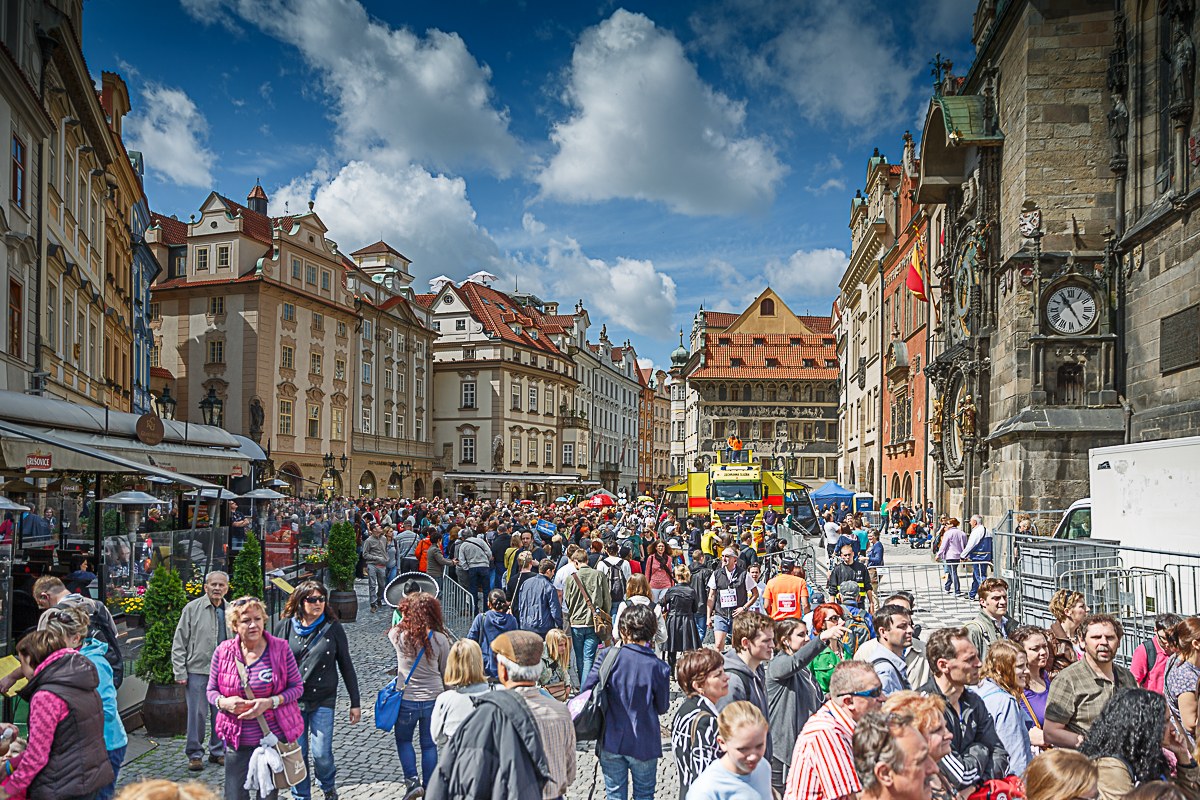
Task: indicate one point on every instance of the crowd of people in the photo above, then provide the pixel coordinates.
(815, 687)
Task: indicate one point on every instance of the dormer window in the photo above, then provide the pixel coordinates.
(760, 341)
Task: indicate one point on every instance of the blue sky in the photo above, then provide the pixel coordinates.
(643, 157)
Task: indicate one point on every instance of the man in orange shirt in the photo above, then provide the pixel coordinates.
(787, 594)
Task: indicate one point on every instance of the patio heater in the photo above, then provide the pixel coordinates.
(133, 504)
(266, 495)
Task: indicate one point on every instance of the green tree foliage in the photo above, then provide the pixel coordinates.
(342, 556)
(247, 569)
(165, 600)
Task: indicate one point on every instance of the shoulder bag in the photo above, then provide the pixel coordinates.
(387, 702)
(589, 709)
(294, 769)
(601, 621)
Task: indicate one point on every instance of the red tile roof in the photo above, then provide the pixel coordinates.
(257, 193)
(719, 319)
(174, 231)
(254, 224)
(773, 356)
(565, 320)
(818, 324)
(160, 372)
(483, 300)
(379, 247)
(895, 169)
(426, 299)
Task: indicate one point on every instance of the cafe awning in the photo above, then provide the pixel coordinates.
(174, 458)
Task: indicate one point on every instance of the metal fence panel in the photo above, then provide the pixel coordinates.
(458, 607)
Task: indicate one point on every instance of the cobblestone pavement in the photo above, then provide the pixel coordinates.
(366, 758)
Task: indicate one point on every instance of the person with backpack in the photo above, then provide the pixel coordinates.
(637, 593)
(616, 572)
(860, 627)
(587, 604)
(50, 592)
(490, 624)
(1150, 657)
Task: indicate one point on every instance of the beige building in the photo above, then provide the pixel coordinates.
(505, 384)
(254, 311)
(80, 155)
(391, 454)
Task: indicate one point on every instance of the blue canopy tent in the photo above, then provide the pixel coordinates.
(831, 496)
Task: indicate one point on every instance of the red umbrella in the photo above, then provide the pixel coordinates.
(599, 501)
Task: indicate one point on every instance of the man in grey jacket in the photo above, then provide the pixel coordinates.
(753, 643)
(375, 554)
(201, 628)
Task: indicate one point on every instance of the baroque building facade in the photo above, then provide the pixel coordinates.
(769, 378)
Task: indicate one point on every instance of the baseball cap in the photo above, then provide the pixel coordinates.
(673, 544)
(848, 589)
(521, 647)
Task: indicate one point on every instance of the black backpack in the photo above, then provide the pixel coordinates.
(616, 580)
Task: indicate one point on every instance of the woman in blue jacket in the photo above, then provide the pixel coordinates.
(490, 624)
(1005, 675)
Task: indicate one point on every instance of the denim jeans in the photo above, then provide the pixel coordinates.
(413, 713)
(585, 642)
(702, 624)
(498, 575)
(377, 576)
(317, 735)
(477, 581)
(115, 757)
(978, 574)
(617, 771)
(952, 576)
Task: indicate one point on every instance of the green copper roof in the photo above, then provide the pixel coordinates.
(964, 120)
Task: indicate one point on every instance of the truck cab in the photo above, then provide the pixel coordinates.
(1077, 522)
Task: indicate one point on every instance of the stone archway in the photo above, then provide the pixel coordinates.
(366, 484)
(437, 489)
(418, 488)
(291, 473)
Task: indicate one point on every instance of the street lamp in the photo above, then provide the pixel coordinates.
(327, 462)
(211, 408)
(344, 462)
(166, 404)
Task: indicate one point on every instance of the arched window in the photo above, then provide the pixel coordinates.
(746, 392)
(767, 308)
(722, 393)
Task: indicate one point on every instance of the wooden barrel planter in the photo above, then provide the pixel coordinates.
(345, 605)
(164, 711)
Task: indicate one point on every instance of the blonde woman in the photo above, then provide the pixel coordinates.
(682, 606)
(556, 663)
(742, 734)
(1005, 675)
(928, 713)
(1069, 609)
(464, 677)
(275, 684)
(1061, 775)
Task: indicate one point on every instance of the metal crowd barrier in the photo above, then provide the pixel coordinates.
(458, 607)
(935, 607)
(1131, 583)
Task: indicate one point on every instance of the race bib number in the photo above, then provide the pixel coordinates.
(729, 598)
(786, 603)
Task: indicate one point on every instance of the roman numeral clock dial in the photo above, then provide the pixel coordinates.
(1071, 310)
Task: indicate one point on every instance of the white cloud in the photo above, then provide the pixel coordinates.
(813, 273)
(397, 97)
(827, 186)
(645, 126)
(426, 217)
(629, 293)
(170, 131)
(531, 225)
(839, 62)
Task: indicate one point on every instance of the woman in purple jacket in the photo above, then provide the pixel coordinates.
(274, 682)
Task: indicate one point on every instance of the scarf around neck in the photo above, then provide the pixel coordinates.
(305, 630)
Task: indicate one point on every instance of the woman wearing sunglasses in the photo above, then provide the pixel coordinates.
(827, 616)
(318, 643)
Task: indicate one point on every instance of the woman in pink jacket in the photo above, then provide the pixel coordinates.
(659, 570)
(274, 682)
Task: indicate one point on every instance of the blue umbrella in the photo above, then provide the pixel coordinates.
(560, 499)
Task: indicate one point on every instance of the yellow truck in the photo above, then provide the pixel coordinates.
(737, 482)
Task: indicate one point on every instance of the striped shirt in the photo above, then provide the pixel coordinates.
(558, 738)
(823, 760)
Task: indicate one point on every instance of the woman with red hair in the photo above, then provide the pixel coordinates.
(422, 653)
(825, 616)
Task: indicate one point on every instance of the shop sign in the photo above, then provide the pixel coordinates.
(236, 472)
(37, 462)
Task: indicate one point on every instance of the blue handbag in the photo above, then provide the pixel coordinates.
(387, 702)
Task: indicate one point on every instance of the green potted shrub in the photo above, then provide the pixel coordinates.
(247, 578)
(164, 711)
(341, 556)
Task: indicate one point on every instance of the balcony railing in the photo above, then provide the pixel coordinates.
(378, 443)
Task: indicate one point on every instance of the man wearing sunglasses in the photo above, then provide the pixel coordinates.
(823, 759)
(201, 628)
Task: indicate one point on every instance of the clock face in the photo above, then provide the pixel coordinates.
(1071, 309)
(964, 281)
